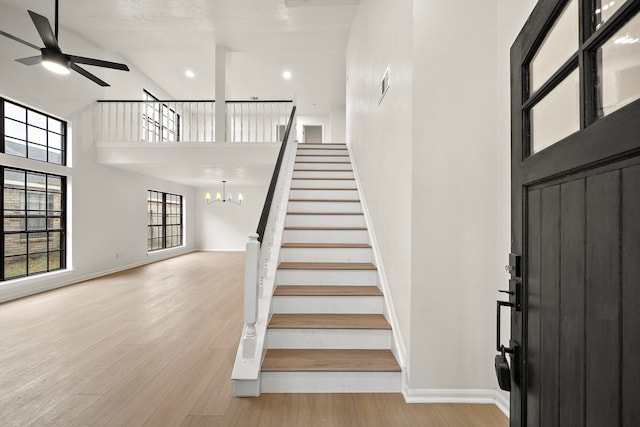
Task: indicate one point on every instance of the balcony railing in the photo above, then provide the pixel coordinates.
(190, 121)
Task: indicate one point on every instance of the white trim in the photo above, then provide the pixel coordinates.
(398, 348)
(502, 402)
(478, 396)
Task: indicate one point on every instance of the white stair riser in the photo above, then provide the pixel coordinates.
(330, 382)
(333, 158)
(326, 254)
(333, 339)
(323, 183)
(324, 220)
(307, 151)
(324, 194)
(322, 166)
(326, 236)
(326, 277)
(324, 207)
(309, 173)
(328, 304)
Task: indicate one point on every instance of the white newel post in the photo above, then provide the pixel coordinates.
(251, 296)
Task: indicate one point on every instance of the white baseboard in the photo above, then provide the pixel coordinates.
(486, 397)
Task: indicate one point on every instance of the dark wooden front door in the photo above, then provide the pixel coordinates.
(576, 215)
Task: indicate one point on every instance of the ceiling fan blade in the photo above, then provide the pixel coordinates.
(87, 74)
(44, 29)
(31, 60)
(12, 37)
(98, 63)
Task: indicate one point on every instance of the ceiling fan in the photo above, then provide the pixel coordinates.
(51, 56)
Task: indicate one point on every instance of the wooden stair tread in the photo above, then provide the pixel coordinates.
(282, 360)
(324, 147)
(324, 228)
(322, 155)
(327, 245)
(328, 321)
(322, 170)
(326, 266)
(325, 200)
(324, 163)
(323, 189)
(327, 179)
(327, 290)
(325, 213)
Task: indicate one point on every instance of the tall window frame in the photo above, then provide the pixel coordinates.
(164, 220)
(32, 134)
(159, 122)
(34, 223)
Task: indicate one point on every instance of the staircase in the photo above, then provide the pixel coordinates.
(328, 332)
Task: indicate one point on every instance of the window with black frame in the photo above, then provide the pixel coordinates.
(33, 225)
(159, 122)
(32, 134)
(164, 220)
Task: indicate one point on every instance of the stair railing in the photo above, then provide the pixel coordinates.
(260, 268)
(144, 121)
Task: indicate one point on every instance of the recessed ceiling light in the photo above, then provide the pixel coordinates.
(189, 74)
(287, 75)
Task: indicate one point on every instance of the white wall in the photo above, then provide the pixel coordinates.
(226, 226)
(107, 206)
(379, 136)
(338, 118)
(433, 159)
(454, 264)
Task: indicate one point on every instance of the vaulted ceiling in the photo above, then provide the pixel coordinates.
(164, 38)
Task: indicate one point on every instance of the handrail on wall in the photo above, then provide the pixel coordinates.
(262, 224)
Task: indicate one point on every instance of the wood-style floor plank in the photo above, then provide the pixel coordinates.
(156, 345)
(326, 290)
(326, 266)
(327, 245)
(328, 321)
(322, 360)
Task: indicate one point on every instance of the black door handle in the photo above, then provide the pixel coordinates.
(503, 372)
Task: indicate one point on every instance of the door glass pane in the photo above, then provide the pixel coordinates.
(618, 65)
(605, 10)
(560, 43)
(557, 115)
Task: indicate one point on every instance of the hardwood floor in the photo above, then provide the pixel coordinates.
(154, 346)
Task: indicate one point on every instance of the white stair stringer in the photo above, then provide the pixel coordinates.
(327, 246)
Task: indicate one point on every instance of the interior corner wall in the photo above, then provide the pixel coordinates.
(379, 137)
(226, 226)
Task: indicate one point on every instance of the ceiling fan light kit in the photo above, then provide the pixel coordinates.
(52, 57)
(56, 62)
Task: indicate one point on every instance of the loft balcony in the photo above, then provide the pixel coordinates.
(191, 141)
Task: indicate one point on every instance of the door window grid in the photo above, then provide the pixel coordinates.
(33, 225)
(587, 59)
(32, 134)
(164, 220)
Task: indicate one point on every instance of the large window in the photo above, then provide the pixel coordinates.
(32, 134)
(33, 225)
(164, 220)
(159, 122)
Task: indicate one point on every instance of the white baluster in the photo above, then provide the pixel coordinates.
(250, 297)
